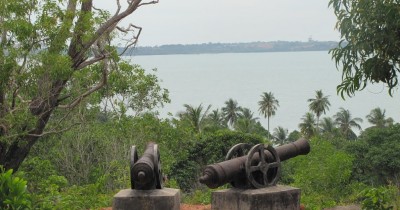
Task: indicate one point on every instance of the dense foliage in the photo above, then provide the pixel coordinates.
(377, 156)
(53, 56)
(369, 49)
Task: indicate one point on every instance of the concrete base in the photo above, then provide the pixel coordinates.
(160, 199)
(276, 197)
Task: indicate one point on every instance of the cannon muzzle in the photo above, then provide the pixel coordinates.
(259, 168)
(146, 171)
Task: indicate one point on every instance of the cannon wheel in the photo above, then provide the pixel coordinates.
(238, 150)
(134, 158)
(266, 172)
(157, 168)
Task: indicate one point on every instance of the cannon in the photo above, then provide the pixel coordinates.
(146, 171)
(260, 168)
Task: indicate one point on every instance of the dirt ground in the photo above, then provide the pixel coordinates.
(195, 207)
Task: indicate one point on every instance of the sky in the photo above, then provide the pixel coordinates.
(231, 21)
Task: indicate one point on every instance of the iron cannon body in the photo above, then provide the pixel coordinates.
(259, 168)
(146, 171)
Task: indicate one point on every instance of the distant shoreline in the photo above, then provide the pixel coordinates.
(216, 48)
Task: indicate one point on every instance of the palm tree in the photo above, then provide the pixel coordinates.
(231, 111)
(268, 106)
(216, 119)
(280, 134)
(247, 114)
(328, 125)
(377, 118)
(345, 122)
(195, 116)
(319, 105)
(246, 123)
(307, 126)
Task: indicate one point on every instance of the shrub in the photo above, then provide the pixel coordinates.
(378, 198)
(13, 191)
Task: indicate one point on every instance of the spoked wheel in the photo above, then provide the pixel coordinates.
(238, 150)
(134, 158)
(262, 170)
(157, 168)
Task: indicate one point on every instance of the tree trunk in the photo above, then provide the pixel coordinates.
(14, 155)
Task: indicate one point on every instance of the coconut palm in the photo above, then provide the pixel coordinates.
(195, 116)
(246, 123)
(319, 105)
(307, 126)
(216, 119)
(247, 114)
(268, 106)
(231, 111)
(280, 134)
(345, 123)
(327, 125)
(378, 119)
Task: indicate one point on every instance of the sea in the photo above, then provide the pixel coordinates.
(293, 78)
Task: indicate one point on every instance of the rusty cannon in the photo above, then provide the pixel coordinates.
(147, 191)
(146, 171)
(259, 168)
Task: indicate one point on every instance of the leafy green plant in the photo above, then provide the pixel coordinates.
(200, 196)
(13, 191)
(376, 199)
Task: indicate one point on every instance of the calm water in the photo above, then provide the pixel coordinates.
(293, 77)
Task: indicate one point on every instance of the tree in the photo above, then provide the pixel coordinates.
(345, 123)
(377, 118)
(246, 123)
(328, 125)
(54, 55)
(377, 156)
(268, 106)
(369, 48)
(280, 134)
(215, 120)
(319, 105)
(307, 126)
(195, 116)
(231, 111)
(323, 175)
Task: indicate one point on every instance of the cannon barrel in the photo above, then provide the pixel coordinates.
(146, 170)
(143, 169)
(218, 174)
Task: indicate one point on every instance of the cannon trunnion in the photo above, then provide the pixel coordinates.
(260, 168)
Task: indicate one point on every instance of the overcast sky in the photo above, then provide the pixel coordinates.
(227, 21)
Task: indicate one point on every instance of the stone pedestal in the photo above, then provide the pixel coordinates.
(159, 199)
(275, 197)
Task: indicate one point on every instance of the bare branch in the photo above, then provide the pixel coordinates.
(147, 3)
(54, 132)
(135, 38)
(103, 82)
(107, 27)
(91, 61)
(119, 8)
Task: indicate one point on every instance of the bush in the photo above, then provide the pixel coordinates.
(378, 198)
(13, 191)
(323, 175)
